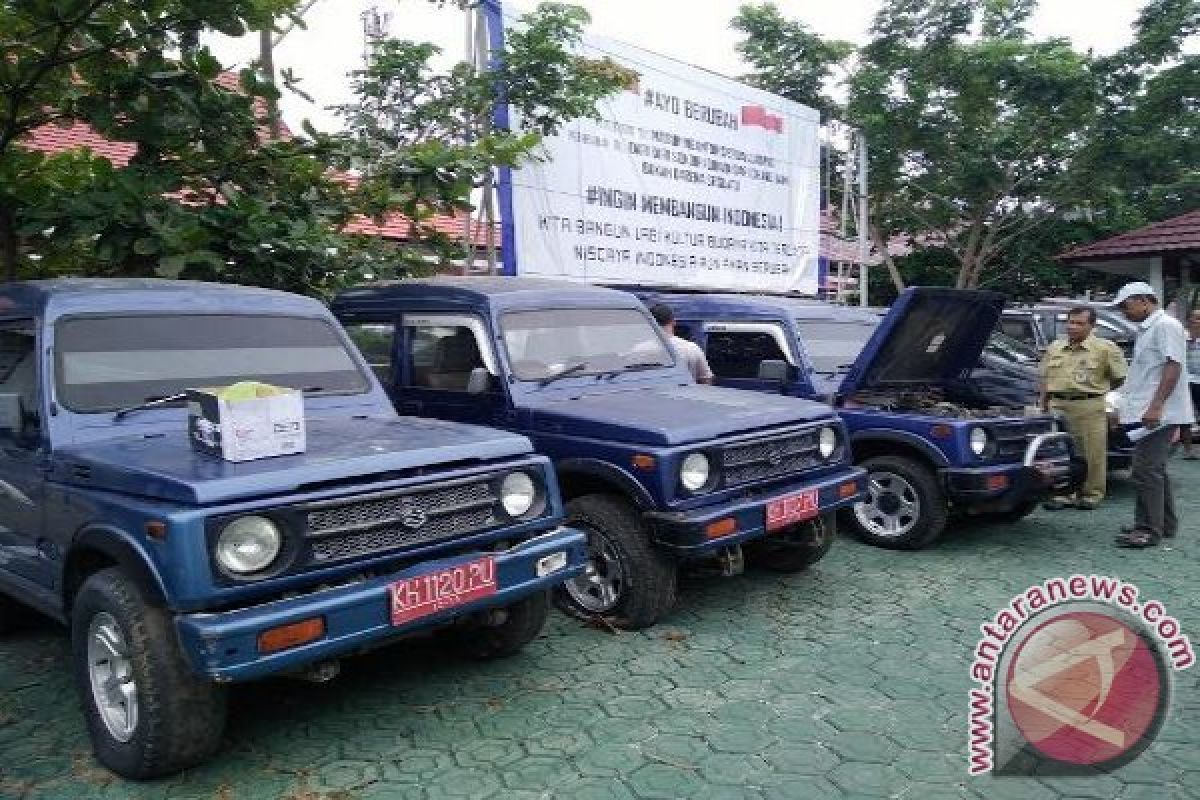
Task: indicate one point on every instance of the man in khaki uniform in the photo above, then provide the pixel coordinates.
(1077, 372)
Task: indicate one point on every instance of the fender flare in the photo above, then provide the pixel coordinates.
(935, 456)
(603, 470)
(122, 548)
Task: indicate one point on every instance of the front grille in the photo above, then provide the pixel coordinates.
(365, 526)
(1013, 438)
(770, 457)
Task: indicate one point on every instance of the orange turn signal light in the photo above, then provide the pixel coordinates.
(292, 635)
(156, 529)
(643, 461)
(941, 432)
(722, 527)
(997, 482)
(847, 490)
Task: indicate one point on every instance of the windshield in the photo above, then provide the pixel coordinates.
(108, 363)
(585, 341)
(833, 346)
(1010, 349)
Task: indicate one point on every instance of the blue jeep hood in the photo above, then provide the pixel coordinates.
(666, 415)
(929, 337)
(165, 467)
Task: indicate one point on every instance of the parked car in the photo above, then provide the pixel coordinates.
(930, 447)
(178, 572)
(1040, 324)
(656, 469)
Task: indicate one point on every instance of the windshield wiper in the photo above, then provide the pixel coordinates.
(147, 404)
(642, 365)
(563, 373)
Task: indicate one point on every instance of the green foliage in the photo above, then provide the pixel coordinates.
(207, 193)
(421, 141)
(994, 150)
(787, 58)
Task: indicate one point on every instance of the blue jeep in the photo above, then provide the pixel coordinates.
(656, 469)
(178, 572)
(902, 384)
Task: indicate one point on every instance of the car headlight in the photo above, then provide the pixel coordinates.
(827, 443)
(979, 441)
(695, 472)
(248, 544)
(517, 494)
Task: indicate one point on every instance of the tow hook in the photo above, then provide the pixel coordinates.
(731, 560)
(320, 672)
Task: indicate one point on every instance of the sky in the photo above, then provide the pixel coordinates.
(694, 31)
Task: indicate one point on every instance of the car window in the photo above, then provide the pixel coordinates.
(738, 354)
(833, 346)
(586, 341)
(1018, 329)
(18, 373)
(104, 363)
(375, 342)
(442, 356)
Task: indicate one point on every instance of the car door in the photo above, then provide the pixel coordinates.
(25, 554)
(446, 368)
(736, 350)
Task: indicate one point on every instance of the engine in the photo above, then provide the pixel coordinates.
(931, 402)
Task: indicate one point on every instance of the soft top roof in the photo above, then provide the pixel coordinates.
(32, 298)
(500, 293)
(748, 305)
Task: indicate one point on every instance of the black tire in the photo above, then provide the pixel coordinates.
(180, 719)
(810, 542)
(647, 591)
(1015, 514)
(523, 622)
(931, 510)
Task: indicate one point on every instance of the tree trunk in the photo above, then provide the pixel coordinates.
(8, 243)
(888, 261)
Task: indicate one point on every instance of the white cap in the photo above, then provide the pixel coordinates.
(1135, 289)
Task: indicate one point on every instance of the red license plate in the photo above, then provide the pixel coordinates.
(787, 511)
(414, 598)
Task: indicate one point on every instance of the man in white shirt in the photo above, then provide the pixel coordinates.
(689, 352)
(1156, 402)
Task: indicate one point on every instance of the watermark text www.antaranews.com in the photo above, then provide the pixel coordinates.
(1087, 681)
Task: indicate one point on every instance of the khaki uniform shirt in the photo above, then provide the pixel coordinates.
(1091, 367)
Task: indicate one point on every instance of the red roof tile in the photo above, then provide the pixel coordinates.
(1170, 235)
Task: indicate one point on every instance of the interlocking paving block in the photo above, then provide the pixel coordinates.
(655, 781)
(849, 680)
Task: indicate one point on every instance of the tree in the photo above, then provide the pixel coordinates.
(993, 150)
(208, 194)
(421, 141)
(788, 59)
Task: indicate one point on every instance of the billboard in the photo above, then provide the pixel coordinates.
(688, 180)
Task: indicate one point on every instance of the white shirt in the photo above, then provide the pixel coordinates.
(1160, 340)
(691, 354)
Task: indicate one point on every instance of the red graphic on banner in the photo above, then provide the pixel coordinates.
(760, 117)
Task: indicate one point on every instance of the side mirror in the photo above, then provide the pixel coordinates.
(479, 382)
(12, 417)
(773, 370)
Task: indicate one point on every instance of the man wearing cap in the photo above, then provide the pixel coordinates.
(1077, 373)
(1155, 404)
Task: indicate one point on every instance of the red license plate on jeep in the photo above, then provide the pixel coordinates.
(414, 598)
(787, 511)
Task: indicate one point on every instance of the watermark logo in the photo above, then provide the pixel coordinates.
(1074, 676)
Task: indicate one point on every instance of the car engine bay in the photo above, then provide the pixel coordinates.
(930, 401)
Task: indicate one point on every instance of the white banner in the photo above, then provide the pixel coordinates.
(689, 180)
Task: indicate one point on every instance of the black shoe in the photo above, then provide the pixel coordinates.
(1057, 504)
(1138, 538)
(1131, 528)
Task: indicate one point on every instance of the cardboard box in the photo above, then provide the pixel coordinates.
(246, 421)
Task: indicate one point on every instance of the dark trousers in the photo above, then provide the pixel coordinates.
(1155, 509)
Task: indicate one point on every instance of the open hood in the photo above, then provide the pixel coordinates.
(929, 337)
(667, 415)
(165, 467)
